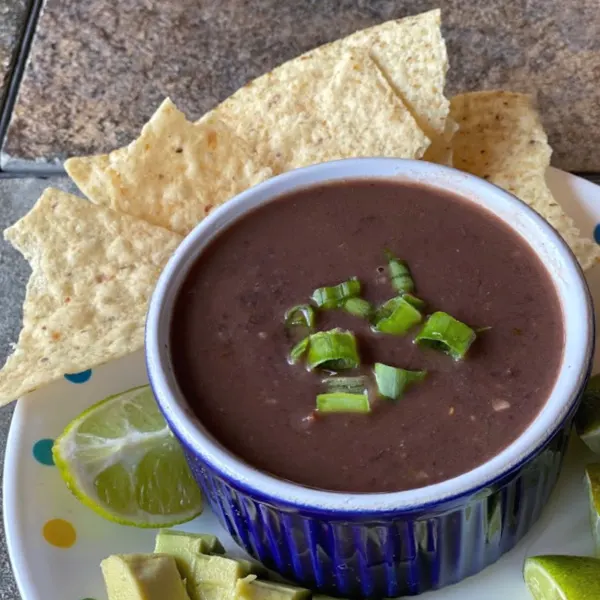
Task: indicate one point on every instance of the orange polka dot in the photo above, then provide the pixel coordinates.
(59, 533)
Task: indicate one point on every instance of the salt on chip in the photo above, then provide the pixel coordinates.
(93, 271)
(316, 109)
(173, 174)
(501, 139)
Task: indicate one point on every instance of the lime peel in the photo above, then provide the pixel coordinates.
(556, 577)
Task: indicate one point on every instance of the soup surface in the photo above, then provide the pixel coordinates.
(230, 348)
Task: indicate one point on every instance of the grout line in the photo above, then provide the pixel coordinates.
(31, 174)
(18, 67)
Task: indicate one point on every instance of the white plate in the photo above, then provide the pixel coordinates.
(35, 495)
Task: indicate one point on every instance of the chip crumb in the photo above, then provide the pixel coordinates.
(451, 411)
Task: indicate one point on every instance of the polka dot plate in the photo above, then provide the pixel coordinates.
(56, 544)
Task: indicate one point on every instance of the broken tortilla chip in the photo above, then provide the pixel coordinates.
(174, 174)
(316, 109)
(501, 139)
(93, 271)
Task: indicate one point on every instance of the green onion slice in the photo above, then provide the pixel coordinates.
(392, 382)
(335, 296)
(400, 275)
(414, 301)
(359, 307)
(299, 350)
(445, 333)
(396, 316)
(342, 402)
(333, 350)
(303, 315)
(351, 385)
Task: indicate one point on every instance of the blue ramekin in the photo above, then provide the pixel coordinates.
(393, 544)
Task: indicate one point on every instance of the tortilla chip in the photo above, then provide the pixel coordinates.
(93, 271)
(501, 139)
(412, 55)
(174, 174)
(314, 110)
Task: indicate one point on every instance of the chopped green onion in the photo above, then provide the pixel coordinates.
(444, 332)
(334, 296)
(351, 385)
(392, 382)
(396, 316)
(340, 402)
(400, 276)
(299, 350)
(416, 302)
(301, 315)
(359, 307)
(333, 350)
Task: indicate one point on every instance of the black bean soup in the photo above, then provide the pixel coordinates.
(230, 344)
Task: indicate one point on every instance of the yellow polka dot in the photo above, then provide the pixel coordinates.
(59, 533)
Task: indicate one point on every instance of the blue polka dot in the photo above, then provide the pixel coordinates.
(597, 233)
(78, 377)
(42, 452)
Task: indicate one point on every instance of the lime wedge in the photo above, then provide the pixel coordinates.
(122, 461)
(592, 482)
(563, 577)
(587, 419)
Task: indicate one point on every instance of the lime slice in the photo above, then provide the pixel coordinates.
(587, 419)
(592, 482)
(120, 459)
(563, 577)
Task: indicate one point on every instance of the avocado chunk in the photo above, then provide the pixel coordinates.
(209, 577)
(142, 577)
(251, 588)
(169, 541)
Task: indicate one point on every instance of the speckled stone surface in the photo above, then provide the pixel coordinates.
(13, 14)
(98, 69)
(17, 196)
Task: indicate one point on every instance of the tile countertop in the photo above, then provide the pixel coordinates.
(98, 69)
(13, 14)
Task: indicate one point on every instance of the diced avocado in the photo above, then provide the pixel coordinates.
(169, 541)
(253, 567)
(142, 577)
(251, 588)
(209, 577)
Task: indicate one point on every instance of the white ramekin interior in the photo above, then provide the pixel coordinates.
(562, 266)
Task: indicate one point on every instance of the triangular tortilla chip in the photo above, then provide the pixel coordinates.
(411, 55)
(313, 110)
(173, 174)
(501, 139)
(93, 271)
